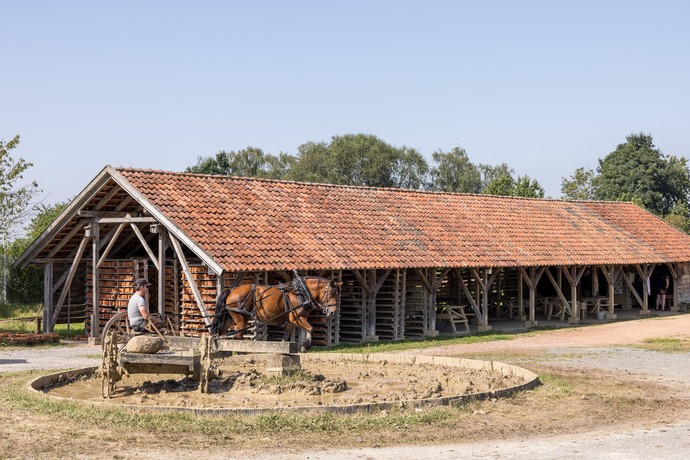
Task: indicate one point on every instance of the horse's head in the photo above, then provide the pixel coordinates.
(326, 294)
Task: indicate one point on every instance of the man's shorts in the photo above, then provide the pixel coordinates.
(140, 326)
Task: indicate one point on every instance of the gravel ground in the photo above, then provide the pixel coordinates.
(71, 356)
(596, 347)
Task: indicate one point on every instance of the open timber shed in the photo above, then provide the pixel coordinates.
(406, 258)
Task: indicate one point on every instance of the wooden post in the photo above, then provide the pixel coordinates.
(521, 302)
(95, 244)
(47, 296)
(161, 270)
(673, 269)
(190, 279)
(68, 280)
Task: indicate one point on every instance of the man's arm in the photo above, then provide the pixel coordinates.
(144, 312)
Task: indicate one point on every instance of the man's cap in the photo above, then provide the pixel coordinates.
(141, 282)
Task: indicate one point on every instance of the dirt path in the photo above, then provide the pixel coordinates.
(599, 347)
(596, 347)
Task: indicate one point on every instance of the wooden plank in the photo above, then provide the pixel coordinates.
(256, 346)
(68, 281)
(190, 279)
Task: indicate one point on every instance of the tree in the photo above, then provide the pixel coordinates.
(26, 285)
(15, 200)
(248, 162)
(454, 172)
(638, 171)
(502, 185)
(359, 159)
(579, 185)
(489, 173)
(527, 188)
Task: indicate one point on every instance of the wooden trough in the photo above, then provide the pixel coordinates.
(193, 357)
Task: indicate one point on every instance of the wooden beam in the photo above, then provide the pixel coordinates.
(58, 283)
(146, 245)
(632, 289)
(66, 239)
(126, 220)
(566, 304)
(95, 280)
(68, 281)
(440, 279)
(380, 281)
(47, 296)
(470, 299)
(425, 281)
(363, 282)
(161, 271)
(111, 243)
(190, 279)
(113, 191)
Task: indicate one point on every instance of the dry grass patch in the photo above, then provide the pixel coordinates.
(666, 345)
(568, 401)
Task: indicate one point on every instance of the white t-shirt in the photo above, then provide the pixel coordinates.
(133, 312)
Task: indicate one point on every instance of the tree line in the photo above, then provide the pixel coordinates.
(366, 160)
(635, 171)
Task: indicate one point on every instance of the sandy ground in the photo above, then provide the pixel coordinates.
(599, 347)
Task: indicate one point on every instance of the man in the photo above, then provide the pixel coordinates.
(138, 309)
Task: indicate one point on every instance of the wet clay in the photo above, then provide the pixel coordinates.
(243, 384)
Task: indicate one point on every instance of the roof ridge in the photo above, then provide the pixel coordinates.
(358, 187)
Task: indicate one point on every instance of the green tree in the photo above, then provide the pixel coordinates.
(15, 202)
(579, 185)
(503, 185)
(638, 171)
(26, 285)
(248, 162)
(454, 172)
(679, 217)
(523, 186)
(489, 173)
(527, 188)
(359, 159)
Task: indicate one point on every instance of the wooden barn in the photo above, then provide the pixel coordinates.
(411, 262)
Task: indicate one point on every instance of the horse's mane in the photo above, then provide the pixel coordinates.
(221, 313)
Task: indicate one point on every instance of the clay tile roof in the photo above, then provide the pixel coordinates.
(252, 224)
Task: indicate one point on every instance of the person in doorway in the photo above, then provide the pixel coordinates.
(138, 308)
(664, 284)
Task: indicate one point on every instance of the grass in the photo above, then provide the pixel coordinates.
(442, 340)
(12, 320)
(666, 345)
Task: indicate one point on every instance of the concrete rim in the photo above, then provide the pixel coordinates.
(531, 381)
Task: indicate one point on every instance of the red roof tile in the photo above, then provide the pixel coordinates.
(251, 224)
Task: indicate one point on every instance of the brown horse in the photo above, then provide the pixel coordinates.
(288, 303)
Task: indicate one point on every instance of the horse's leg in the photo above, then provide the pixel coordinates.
(302, 322)
(240, 325)
(289, 328)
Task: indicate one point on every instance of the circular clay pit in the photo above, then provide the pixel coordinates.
(327, 382)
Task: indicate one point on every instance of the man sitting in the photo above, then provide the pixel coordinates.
(138, 308)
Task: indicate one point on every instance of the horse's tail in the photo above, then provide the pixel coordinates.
(222, 313)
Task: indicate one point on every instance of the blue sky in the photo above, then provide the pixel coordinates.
(544, 86)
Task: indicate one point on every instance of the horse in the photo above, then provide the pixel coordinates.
(288, 303)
